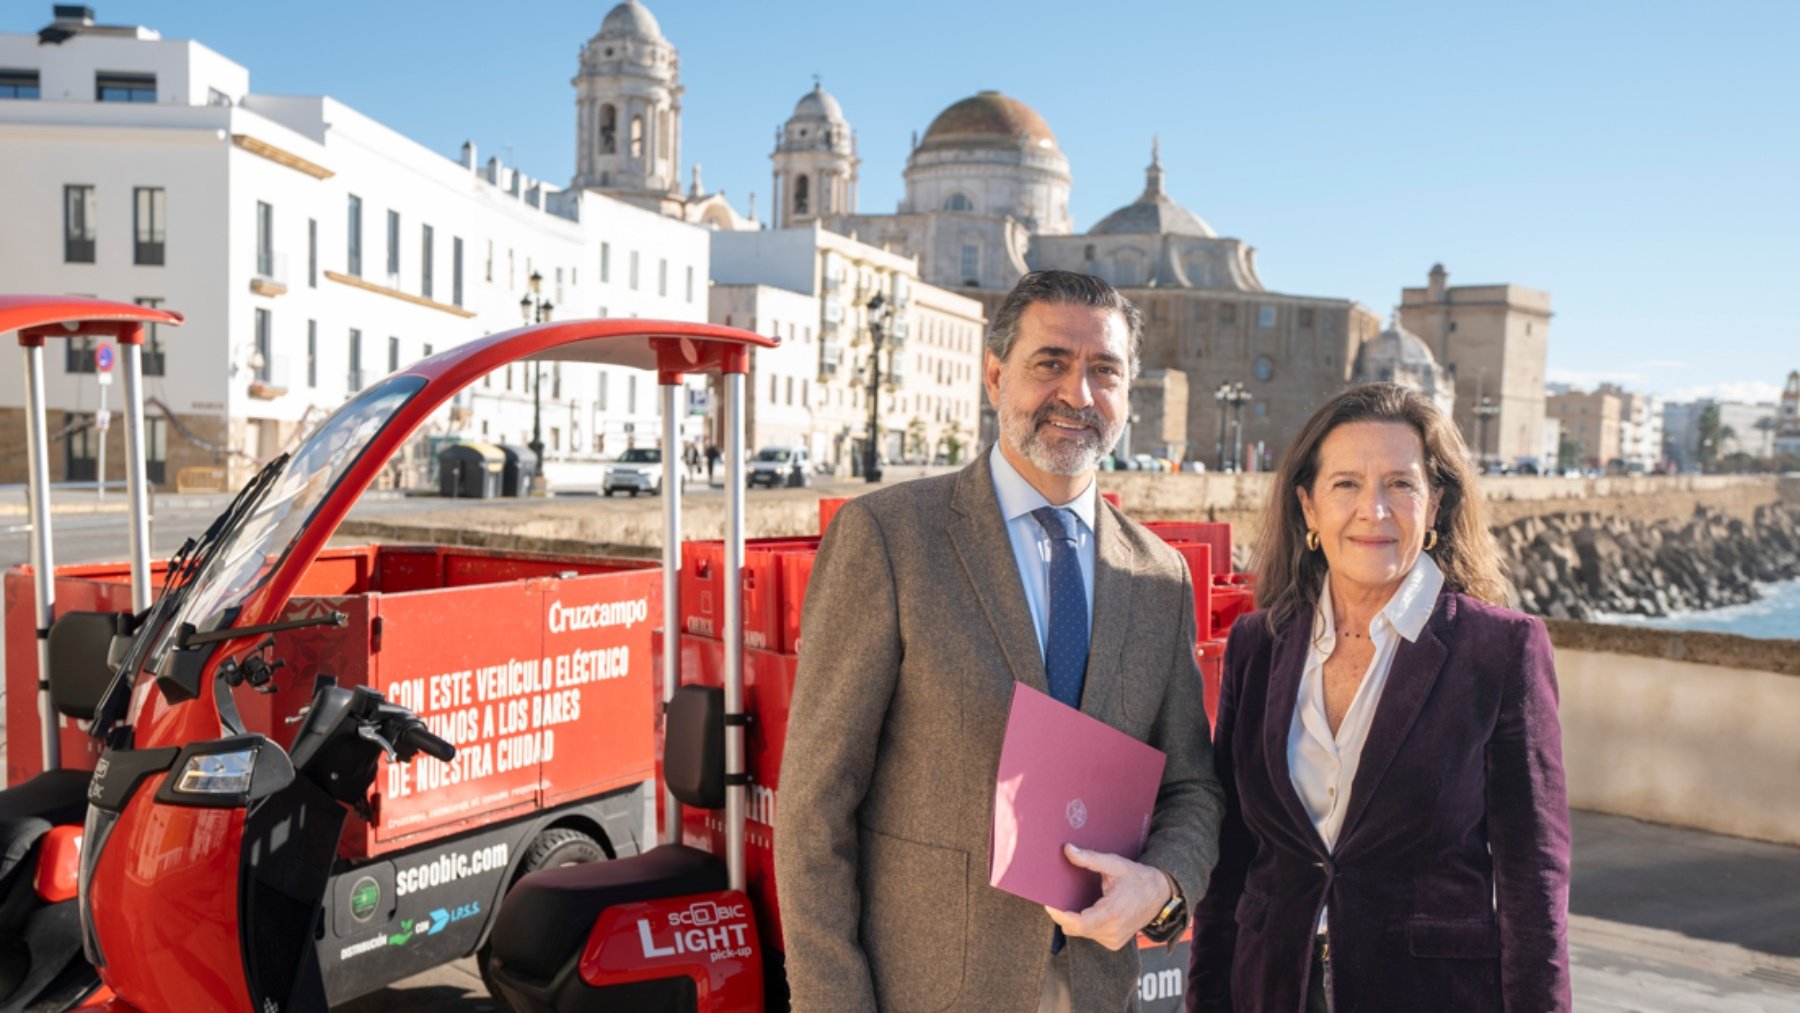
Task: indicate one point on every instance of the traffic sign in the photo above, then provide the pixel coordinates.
(103, 419)
(103, 359)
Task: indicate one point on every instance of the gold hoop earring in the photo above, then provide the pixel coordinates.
(1431, 539)
(1312, 539)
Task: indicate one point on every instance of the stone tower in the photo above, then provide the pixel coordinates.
(815, 162)
(628, 111)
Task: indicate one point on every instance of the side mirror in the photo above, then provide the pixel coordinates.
(694, 746)
(85, 648)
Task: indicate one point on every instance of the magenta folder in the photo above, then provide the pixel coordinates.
(1066, 778)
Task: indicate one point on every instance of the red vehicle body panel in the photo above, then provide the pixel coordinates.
(710, 938)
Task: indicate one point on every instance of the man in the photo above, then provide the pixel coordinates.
(928, 601)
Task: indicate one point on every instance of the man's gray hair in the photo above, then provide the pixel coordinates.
(1062, 287)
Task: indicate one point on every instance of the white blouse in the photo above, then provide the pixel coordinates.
(1322, 766)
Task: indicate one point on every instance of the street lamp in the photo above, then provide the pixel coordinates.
(536, 310)
(1232, 396)
(1485, 411)
(879, 317)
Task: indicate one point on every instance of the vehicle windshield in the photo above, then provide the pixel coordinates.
(246, 553)
(773, 454)
(641, 455)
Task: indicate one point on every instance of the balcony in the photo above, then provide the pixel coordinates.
(270, 278)
(271, 380)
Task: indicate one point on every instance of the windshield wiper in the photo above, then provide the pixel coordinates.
(178, 582)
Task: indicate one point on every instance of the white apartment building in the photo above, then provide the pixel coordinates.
(812, 288)
(312, 250)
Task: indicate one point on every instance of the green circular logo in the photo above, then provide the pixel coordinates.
(365, 897)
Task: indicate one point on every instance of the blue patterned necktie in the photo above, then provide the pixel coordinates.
(1066, 640)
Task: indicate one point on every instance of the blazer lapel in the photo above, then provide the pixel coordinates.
(1287, 662)
(1409, 683)
(978, 536)
(1114, 562)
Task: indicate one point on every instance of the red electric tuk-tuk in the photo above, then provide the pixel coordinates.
(259, 834)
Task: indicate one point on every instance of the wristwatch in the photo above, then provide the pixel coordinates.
(1168, 922)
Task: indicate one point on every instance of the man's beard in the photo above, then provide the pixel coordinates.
(1073, 454)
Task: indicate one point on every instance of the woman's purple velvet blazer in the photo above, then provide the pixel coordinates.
(1449, 886)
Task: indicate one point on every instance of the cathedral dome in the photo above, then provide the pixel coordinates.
(1154, 212)
(631, 20)
(988, 119)
(818, 104)
(1397, 355)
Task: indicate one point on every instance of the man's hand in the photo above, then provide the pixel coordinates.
(1130, 895)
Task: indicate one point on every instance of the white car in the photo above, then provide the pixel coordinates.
(637, 470)
(779, 466)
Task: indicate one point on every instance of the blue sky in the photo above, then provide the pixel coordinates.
(1636, 160)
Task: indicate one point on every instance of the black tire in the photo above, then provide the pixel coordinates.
(554, 848)
(609, 492)
(634, 492)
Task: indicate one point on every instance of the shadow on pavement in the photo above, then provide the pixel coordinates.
(1703, 886)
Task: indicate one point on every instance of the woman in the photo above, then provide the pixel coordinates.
(1397, 833)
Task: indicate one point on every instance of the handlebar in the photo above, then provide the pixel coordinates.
(415, 737)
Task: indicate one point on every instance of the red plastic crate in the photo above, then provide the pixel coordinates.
(828, 508)
(1215, 534)
(796, 571)
(1199, 563)
(1230, 599)
(703, 592)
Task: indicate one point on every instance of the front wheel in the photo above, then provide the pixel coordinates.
(554, 848)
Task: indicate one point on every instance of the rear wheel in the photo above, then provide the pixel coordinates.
(554, 848)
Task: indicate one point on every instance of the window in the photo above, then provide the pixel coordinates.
(1265, 316)
(971, 263)
(264, 346)
(425, 351)
(609, 129)
(556, 381)
(353, 256)
(393, 248)
(637, 137)
(425, 258)
(1306, 319)
(147, 210)
(488, 271)
(312, 353)
(265, 240)
(634, 270)
(559, 286)
(78, 224)
(774, 388)
(393, 355)
(78, 354)
(354, 379)
(456, 271)
(605, 263)
(690, 283)
(18, 84)
(114, 87)
(155, 360)
(631, 395)
(959, 202)
(800, 194)
(790, 390)
(312, 253)
(156, 450)
(1228, 313)
(605, 379)
(662, 276)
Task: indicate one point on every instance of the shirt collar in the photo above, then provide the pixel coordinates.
(1018, 497)
(1407, 611)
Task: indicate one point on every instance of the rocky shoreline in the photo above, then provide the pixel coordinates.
(1574, 565)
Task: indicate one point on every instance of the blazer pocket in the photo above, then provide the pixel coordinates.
(1252, 909)
(914, 921)
(1468, 938)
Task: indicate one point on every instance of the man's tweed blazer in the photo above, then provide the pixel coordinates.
(916, 628)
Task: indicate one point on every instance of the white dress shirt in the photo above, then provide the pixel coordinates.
(1031, 546)
(1321, 765)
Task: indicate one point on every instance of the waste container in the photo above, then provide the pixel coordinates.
(521, 469)
(470, 470)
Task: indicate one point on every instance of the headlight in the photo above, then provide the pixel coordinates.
(217, 773)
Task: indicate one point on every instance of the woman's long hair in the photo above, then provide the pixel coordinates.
(1289, 576)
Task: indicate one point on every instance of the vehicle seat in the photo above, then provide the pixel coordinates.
(548, 915)
(546, 918)
(27, 812)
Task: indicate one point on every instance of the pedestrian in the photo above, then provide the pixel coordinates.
(692, 457)
(928, 602)
(712, 460)
(1397, 829)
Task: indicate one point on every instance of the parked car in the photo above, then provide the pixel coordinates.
(637, 470)
(780, 466)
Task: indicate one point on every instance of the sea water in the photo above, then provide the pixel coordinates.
(1774, 616)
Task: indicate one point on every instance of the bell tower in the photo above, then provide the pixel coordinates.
(628, 109)
(815, 162)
